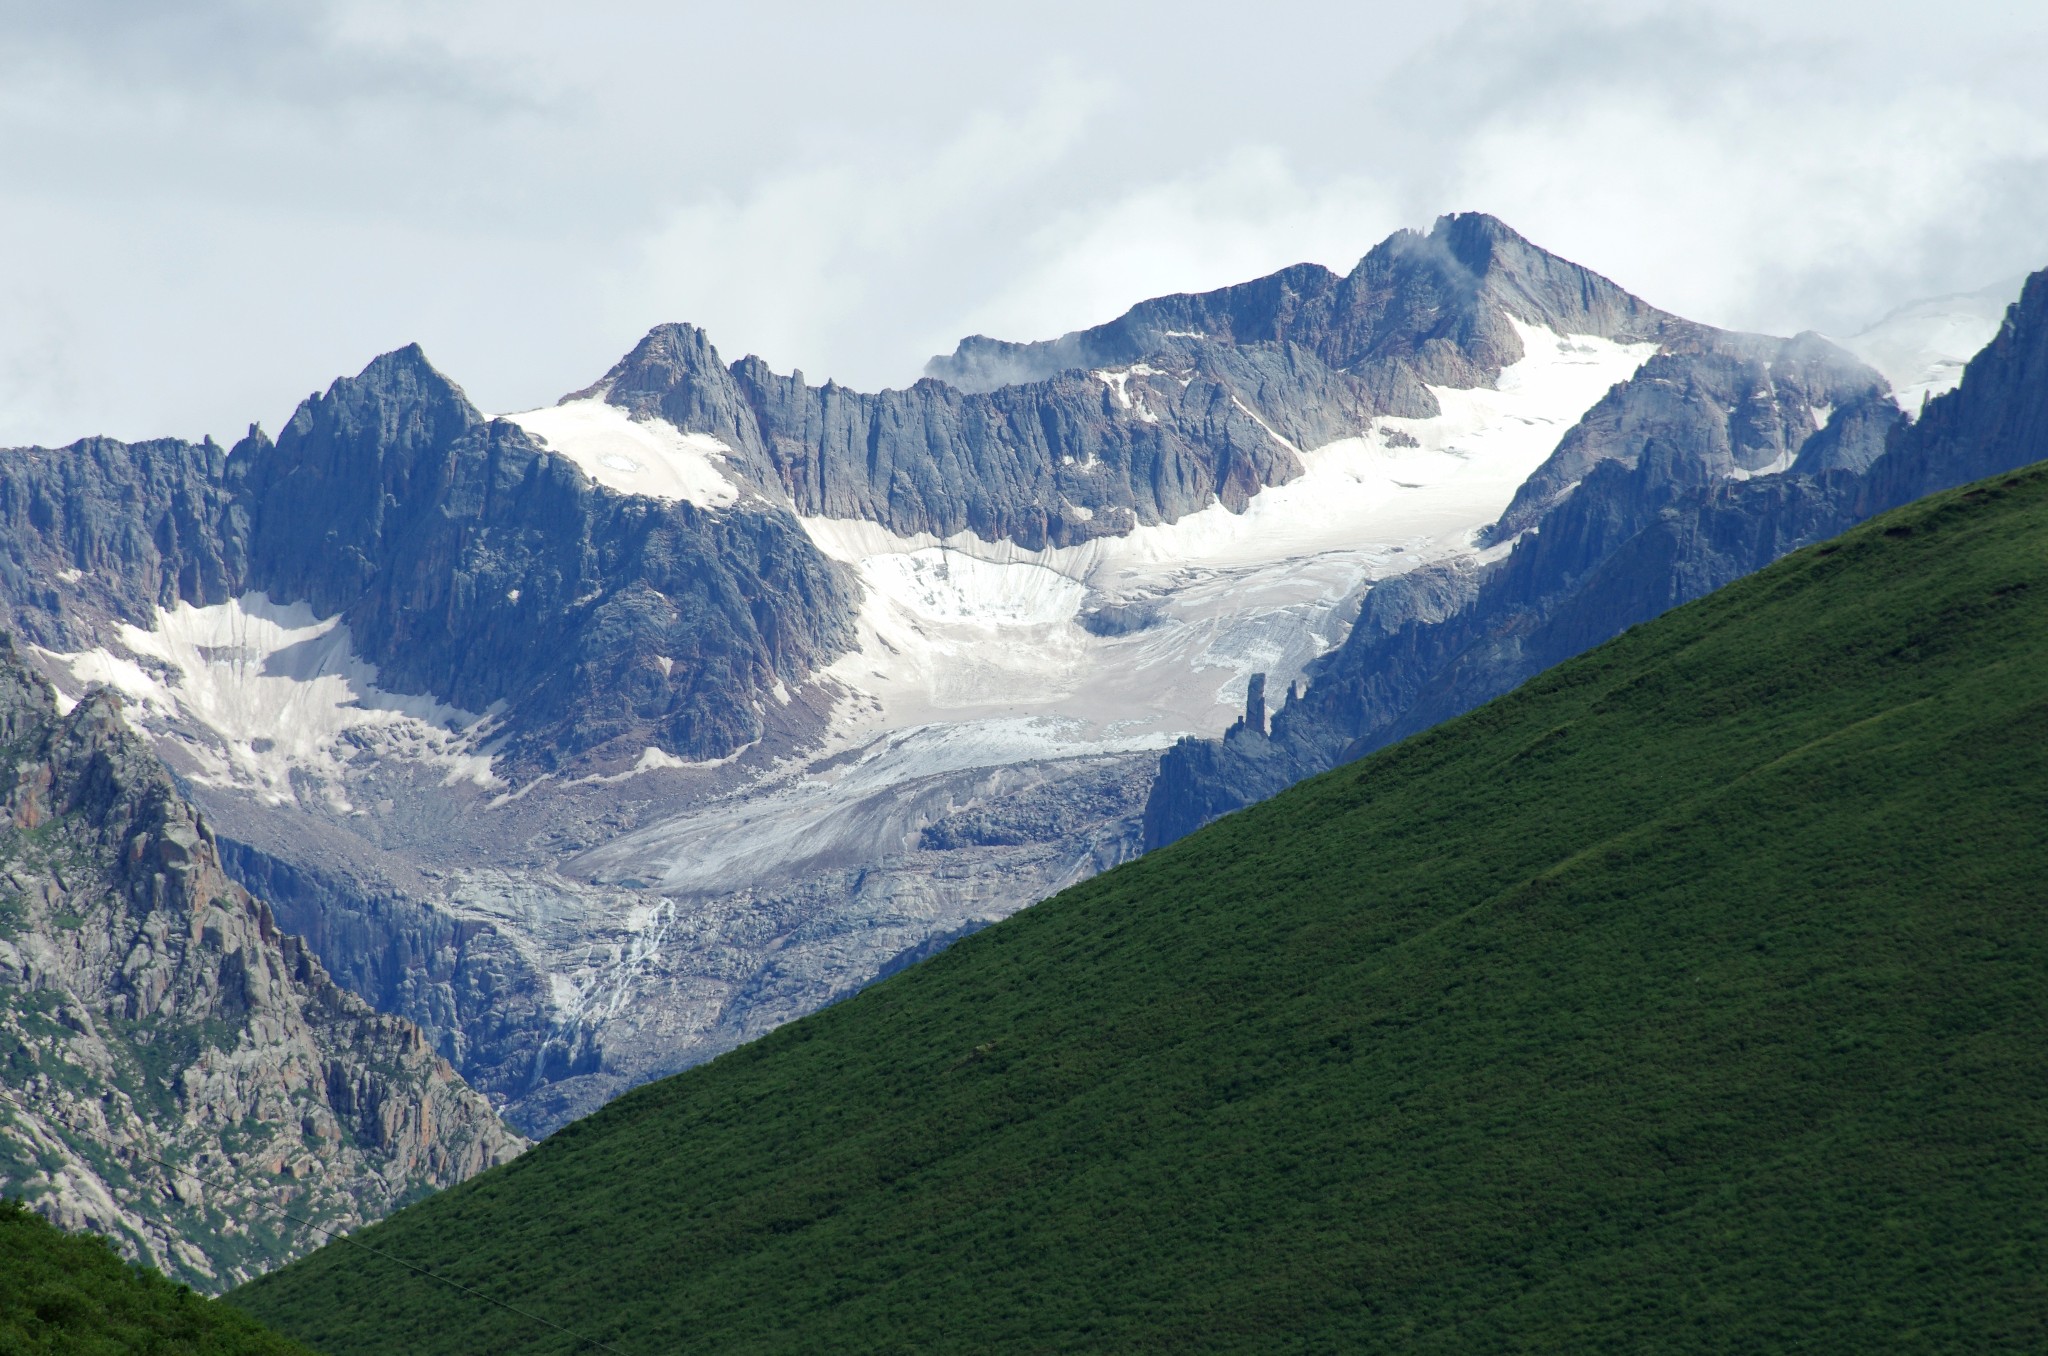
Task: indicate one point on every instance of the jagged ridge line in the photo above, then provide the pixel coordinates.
(195, 1175)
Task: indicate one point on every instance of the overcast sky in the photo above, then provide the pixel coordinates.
(208, 210)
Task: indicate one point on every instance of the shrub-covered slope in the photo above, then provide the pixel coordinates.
(1689, 997)
(60, 1293)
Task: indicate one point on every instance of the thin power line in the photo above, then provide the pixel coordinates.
(330, 1233)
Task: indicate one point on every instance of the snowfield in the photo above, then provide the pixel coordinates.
(976, 654)
(253, 693)
(650, 457)
(963, 628)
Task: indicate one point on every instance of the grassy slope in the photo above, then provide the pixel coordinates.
(60, 1293)
(1691, 997)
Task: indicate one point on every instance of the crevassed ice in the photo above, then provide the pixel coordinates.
(254, 690)
(650, 457)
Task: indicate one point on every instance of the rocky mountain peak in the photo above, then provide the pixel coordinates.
(1418, 309)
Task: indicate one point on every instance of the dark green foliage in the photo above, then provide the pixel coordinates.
(1692, 997)
(61, 1293)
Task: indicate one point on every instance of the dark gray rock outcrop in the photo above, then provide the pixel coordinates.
(104, 529)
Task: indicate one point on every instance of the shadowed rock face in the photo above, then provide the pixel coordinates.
(1633, 515)
(151, 1009)
(105, 529)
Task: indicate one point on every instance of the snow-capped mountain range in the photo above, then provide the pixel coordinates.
(598, 738)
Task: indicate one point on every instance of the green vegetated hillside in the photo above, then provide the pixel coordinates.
(63, 1293)
(1693, 996)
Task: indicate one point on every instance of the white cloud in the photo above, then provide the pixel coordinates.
(836, 265)
(211, 210)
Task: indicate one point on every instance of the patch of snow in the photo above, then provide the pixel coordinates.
(1821, 415)
(649, 457)
(266, 696)
(1117, 381)
(1923, 347)
(70, 576)
(1266, 426)
(1778, 465)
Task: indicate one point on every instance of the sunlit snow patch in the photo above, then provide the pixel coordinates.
(255, 691)
(650, 457)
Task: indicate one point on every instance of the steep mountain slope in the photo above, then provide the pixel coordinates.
(1704, 466)
(75, 1296)
(599, 738)
(154, 1020)
(1686, 998)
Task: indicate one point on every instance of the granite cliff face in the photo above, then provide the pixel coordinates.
(1706, 466)
(179, 1074)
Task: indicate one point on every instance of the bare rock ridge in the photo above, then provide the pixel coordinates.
(150, 1009)
(472, 566)
(1635, 513)
(1418, 309)
(1184, 401)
